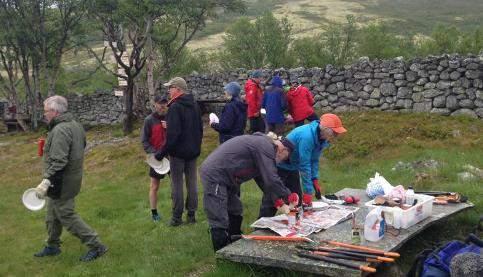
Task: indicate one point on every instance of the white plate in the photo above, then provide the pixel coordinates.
(31, 201)
(161, 167)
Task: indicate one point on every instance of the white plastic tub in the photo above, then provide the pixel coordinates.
(399, 218)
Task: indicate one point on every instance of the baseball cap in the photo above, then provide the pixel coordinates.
(288, 144)
(233, 88)
(257, 74)
(333, 122)
(177, 82)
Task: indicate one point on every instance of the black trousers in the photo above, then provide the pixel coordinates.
(257, 125)
(291, 179)
(310, 118)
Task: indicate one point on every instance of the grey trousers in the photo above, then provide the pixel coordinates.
(178, 168)
(220, 202)
(61, 213)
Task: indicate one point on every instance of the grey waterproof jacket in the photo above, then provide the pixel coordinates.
(243, 158)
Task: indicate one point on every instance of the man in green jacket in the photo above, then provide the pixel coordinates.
(62, 177)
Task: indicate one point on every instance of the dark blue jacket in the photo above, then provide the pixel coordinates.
(233, 120)
(274, 103)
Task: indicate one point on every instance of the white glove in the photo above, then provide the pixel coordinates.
(284, 209)
(214, 118)
(263, 111)
(41, 189)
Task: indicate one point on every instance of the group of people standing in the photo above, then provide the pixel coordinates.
(284, 168)
(175, 130)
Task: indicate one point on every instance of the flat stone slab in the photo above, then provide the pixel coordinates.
(284, 254)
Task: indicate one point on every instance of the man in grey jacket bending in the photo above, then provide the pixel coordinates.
(234, 162)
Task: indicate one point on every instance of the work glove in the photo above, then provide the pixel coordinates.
(281, 206)
(214, 118)
(293, 200)
(159, 155)
(42, 188)
(307, 199)
(317, 189)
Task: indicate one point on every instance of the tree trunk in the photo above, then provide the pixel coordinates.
(150, 79)
(128, 107)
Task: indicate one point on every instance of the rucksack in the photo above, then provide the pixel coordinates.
(435, 262)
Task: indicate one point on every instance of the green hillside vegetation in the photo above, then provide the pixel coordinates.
(114, 196)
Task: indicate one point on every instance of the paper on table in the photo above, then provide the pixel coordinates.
(310, 222)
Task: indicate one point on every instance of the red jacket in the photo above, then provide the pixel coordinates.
(254, 97)
(153, 135)
(300, 102)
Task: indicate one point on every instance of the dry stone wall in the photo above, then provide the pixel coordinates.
(447, 85)
(101, 107)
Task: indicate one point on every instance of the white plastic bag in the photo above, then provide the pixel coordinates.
(378, 186)
(214, 118)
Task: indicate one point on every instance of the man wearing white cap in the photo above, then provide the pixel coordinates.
(183, 145)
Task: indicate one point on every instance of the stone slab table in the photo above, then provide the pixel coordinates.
(284, 254)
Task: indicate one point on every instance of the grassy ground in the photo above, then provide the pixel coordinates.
(114, 197)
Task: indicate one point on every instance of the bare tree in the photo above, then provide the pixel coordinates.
(128, 26)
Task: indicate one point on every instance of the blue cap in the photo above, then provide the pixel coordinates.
(233, 88)
(257, 74)
(276, 81)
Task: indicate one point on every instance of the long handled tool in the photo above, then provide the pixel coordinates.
(337, 262)
(363, 252)
(273, 238)
(345, 257)
(347, 252)
(364, 248)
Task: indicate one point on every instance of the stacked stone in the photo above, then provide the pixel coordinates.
(447, 85)
(101, 107)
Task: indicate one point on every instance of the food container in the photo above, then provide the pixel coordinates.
(399, 218)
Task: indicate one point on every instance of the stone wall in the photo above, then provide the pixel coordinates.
(447, 85)
(101, 107)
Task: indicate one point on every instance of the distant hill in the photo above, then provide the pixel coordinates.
(312, 16)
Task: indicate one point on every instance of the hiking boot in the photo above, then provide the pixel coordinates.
(156, 217)
(191, 219)
(48, 251)
(175, 222)
(94, 253)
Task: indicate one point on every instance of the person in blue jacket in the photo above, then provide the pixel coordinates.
(309, 140)
(233, 119)
(274, 103)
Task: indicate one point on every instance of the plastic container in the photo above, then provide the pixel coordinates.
(409, 195)
(399, 218)
(374, 225)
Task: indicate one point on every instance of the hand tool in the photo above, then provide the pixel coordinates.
(345, 257)
(337, 262)
(273, 238)
(364, 248)
(346, 252)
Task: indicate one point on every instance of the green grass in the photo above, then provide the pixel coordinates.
(114, 197)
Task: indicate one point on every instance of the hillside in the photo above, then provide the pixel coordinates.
(114, 197)
(313, 16)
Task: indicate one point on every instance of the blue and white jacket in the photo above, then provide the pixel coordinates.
(307, 151)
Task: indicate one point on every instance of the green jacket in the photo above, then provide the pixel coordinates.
(64, 156)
